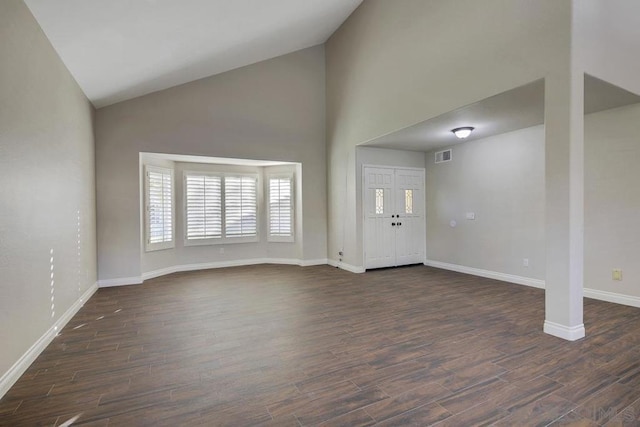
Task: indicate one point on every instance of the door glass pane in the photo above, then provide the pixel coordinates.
(408, 201)
(379, 200)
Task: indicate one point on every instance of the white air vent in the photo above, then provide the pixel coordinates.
(444, 156)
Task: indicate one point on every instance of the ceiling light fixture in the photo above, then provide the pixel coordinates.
(462, 132)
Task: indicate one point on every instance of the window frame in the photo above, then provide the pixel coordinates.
(209, 240)
(224, 239)
(274, 238)
(150, 247)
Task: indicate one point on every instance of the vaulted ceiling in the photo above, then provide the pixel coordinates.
(121, 49)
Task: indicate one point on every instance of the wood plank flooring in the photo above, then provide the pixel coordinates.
(288, 346)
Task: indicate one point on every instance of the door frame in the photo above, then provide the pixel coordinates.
(364, 214)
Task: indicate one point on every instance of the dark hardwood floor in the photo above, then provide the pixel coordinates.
(290, 346)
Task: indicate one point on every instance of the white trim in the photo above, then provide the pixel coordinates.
(202, 266)
(311, 262)
(170, 244)
(570, 333)
(223, 239)
(159, 272)
(520, 280)
(124, 281)
(68, 315)
(119, 281)
(285, 261)
(10, 377)
(223, 264)
(612, 297)
(363, 190)
(283, 175)
(347, 267)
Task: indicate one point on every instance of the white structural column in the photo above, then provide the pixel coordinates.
(564, 185)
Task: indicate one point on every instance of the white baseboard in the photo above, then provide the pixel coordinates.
(120, 281)
(630, 300)
(612, 297)
(345, 266)
(224, 264)
(570, 333)
(14, 373)
(312, 262)
(206, 266)
(520, 280)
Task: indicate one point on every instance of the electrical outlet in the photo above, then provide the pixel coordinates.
(617, 274)
(525, 262)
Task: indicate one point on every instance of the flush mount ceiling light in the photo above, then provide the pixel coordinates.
(462, 132)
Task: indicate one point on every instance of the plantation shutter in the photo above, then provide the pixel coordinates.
(280, 207)
(240, 204)
(204, 207)
(159, 205)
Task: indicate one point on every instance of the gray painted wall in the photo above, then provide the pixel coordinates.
(273, 110)
(604, 34)
(612, 200)
(389, 67)
(46, 182)
(501, 180)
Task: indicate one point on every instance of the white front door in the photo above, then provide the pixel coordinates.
(379, 205)
(410, 232)
(393, 216)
